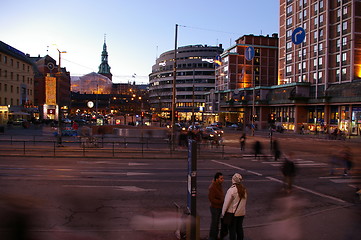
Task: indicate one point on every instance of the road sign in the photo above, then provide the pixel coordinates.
(249, 54)
(298, 35)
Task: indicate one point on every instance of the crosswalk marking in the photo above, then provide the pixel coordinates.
(298, 162)
(346, 180)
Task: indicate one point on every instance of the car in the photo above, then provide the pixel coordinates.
(18, 121)
(235, 126)
(66, 120)
(209, 133)
(217, 124)
(217, 130)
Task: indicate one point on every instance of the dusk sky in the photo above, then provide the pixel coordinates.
(136, 31)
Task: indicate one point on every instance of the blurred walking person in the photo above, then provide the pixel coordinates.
(346, 158)
(276, 150)
(235, 206)
(289, 172)
(242, 141)
(216, 199)
(257, 148)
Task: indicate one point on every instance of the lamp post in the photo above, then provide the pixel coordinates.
(59, 137)
(174, 84)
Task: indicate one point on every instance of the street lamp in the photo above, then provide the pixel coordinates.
(60, 52)
(59, 139)
(174, 85)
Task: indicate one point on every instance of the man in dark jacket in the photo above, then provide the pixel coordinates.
(216, 198)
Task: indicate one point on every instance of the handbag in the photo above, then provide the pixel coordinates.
(228, 217)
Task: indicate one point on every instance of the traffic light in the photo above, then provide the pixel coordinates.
(142, 114)
(271, 118)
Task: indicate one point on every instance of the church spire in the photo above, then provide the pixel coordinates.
(104, 68)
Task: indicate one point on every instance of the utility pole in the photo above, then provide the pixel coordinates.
(174, 85)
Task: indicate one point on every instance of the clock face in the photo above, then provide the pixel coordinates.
(50, 66)
(90, 104)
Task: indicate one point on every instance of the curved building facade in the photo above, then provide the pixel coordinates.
(195, 76)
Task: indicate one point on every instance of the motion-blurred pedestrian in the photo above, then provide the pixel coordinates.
(289, 171)
(346, 157)
(242, 141)
(276, 150)
(216, 199)
(257, 148)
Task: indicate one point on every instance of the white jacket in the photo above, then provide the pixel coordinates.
(231, 200)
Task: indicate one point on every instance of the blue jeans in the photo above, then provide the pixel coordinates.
(213, 231)
(236, 229)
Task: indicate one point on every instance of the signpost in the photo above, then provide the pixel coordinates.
(192, 187)
(298, 35)
(249, 53)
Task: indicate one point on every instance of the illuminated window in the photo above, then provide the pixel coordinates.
(344, 41)
(344, 26)
(344, 57)
(344, 10)
(321, 19)
(289, 33)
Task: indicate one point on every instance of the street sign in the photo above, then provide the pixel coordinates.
(249, 54)
(298, 35)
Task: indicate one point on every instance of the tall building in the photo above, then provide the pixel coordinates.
(331, 50)
(52, 88)
(236, 77)
(16, 82)
(195, 77)
(328, 62)
(104, 67)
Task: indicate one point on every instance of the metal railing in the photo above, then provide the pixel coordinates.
(98, 146)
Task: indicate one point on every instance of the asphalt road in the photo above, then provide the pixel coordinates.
(128, 197)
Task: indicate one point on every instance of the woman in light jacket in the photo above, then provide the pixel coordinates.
(235, 202)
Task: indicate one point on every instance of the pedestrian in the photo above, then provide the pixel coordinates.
(216, 199)
(235, 206)
(276, 150)
(242, 141)
(346, 158)
(288, 170)
(257, 147)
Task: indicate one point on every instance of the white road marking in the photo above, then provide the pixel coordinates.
(121, 188)
(235, 167)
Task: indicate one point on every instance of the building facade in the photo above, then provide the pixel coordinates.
(51, 87)
(16, 83)
(236, 77)
(195, 76)
(328, 61)
(318, 81)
